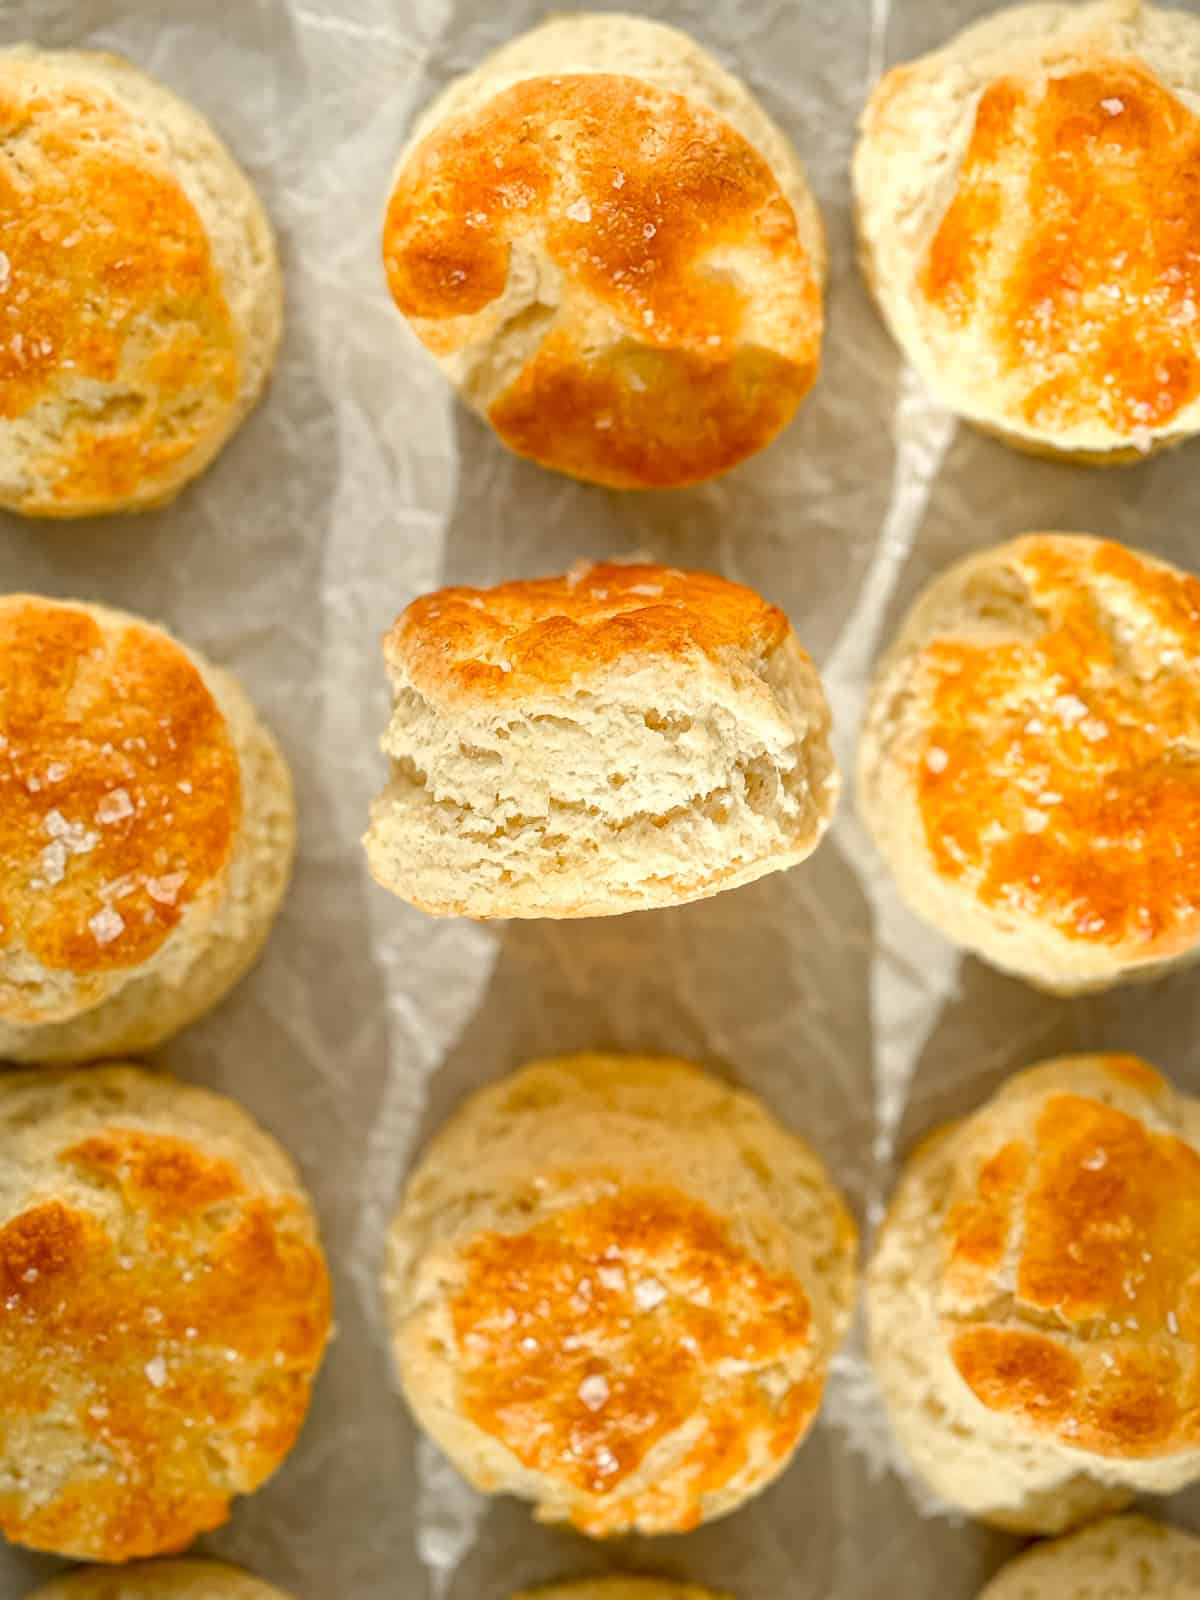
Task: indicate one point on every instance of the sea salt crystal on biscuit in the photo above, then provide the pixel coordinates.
(648, 1293)
(594, 1392)
(165, 890)
(106, 925)
(114, 806)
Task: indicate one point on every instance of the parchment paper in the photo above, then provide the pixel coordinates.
(359, 483)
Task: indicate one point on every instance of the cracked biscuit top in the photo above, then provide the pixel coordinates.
(613, 272)
(164, 1306)
(549, 633)
(1070, 1295)
(119, 356)
(120, 801)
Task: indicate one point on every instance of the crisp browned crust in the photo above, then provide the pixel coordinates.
(1073, 245)
(1059, 776)
(563, 1366)
(547, 632)
(162, 1315)
(106, 277)
(120, 797)
(1071, 1284)
(690, 318)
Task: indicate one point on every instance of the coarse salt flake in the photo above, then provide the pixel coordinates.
(165, 890)
(613, 1278)
(156, 1371)
(114, 806)
(936, 759)
(593, 1391)
(580, 211)
(78, 839)
(1069, 708)
(648, 1293)
(106, 925)
(54, 861)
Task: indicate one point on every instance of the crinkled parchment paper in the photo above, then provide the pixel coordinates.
(359, 483)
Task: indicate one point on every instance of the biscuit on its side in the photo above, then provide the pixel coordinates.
(160, 1580)
(1121, 1558)
(139, 283)
(1032, 1318)
(619, 738)
(612, 252)
(146, 832)
(164, 1306)
(1029, 761)
(615, 1286)
(1029, 207)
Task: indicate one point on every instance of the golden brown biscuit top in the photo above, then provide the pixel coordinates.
(157, 1365)
(690, 321)
(120, 795)
(1073, 245)
(114, 329)
(547, 632)
(587, 1340)
(1073, 1276)
(1060, 777)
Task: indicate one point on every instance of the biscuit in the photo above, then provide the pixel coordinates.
(140, 294)
(622, 737)
(160, 1580)
(617, 1588)
(1029, 208)
(146, 832)
(1028, 761)
(1118, 1559)
(612, 252)
(164, 1305)
(1032, 1321)
(615, 1286)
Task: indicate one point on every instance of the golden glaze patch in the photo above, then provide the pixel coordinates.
(111, 306)
(1060, 779)
(592, 1337)
(151, 1371)
(546, 631)
(658, 215)
(1101, 1220)
(1073, 245)
(120, 798)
